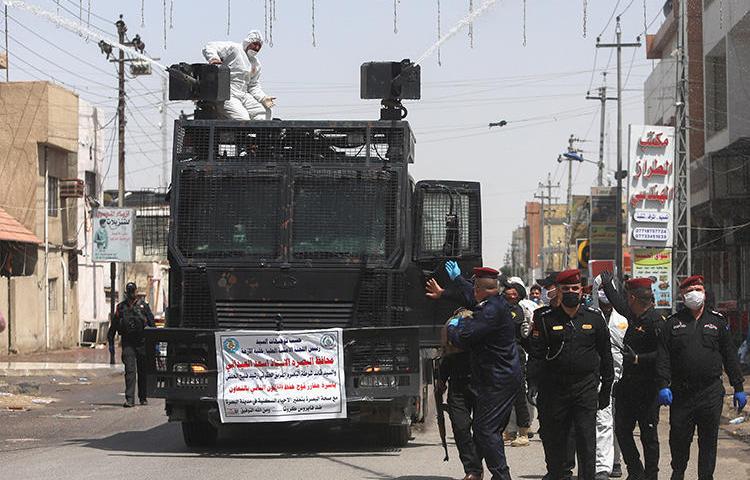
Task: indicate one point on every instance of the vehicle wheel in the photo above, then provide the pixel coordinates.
(397, 435)
(199, 434)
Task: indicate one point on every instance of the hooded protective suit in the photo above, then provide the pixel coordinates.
(606, 450)
(244, 75)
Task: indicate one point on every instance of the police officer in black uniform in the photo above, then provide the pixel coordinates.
(693, 346)
(573, 340)
(490, 336)
(636, 392)
(132, 315)
(455, 374)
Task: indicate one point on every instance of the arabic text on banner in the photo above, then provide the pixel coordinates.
(113, 234)
(655, 263)
(651, 186)
(266, 376)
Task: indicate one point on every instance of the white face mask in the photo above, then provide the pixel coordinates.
(251, 53)
(694, 299)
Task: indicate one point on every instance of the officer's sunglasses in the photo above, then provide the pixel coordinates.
(570, 288)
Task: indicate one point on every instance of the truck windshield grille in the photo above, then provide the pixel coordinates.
(340, 213)
(228, 214)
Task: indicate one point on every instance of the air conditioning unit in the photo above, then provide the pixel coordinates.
(71, 188)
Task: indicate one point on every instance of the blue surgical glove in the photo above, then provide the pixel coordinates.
(453, 269)
(454, 323)
(739, 401)
(665, 396)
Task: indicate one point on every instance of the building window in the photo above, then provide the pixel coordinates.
(53, 196)
(716, 90)
(52, 286)
(91, 186)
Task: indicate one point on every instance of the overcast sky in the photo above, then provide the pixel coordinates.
(539, 88)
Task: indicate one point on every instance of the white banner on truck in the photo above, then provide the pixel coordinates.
(270, 376)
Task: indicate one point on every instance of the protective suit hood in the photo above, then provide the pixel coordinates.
(253, 36)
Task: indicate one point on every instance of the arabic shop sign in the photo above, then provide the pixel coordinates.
(656, 264)
(650, 186)
(280, 376)
(113, 234)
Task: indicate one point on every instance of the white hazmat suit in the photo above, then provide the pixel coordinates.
(605, 432)
(247, 96)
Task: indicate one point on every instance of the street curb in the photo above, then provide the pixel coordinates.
(40, 369)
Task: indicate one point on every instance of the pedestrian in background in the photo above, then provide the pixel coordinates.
(573, 340)
(132, 316)
(495, 369)
(694, 345)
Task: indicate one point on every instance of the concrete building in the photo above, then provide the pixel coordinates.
(92, 276)
(720, 179)
(38, 150)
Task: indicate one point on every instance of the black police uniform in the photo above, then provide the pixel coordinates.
(577, 357)
(637, 392)
(455, 369)
(495, 373)
(133, 344)
(689, 361)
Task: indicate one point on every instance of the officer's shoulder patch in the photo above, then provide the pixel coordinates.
(591, 308)
(544, 312)
(718, 314)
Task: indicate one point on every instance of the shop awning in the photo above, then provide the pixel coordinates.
(11, 230)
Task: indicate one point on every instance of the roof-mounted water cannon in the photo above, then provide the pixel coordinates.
(390, 82)
(202, 83)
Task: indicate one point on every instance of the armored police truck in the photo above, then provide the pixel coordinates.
(298, 225)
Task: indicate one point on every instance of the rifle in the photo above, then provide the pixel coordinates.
(439, 405)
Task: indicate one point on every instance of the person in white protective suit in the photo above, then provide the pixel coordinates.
(607, 450)
(248, 101)
(517, 435)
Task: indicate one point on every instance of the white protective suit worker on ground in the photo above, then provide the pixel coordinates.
(607, 451)
(248, 101)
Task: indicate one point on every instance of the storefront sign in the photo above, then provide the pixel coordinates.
(655, 264)
(280, 376)
(113, 234)
(650, 186)
(603, 224)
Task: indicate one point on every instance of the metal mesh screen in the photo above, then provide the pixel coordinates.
(229, 213)
(197, 308)
(381, 300)
(435, 206)
(346, 142)
(344, 213)
(152, 222)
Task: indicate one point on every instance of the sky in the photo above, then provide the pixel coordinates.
(539, 87)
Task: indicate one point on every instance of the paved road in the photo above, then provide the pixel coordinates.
(88, 435)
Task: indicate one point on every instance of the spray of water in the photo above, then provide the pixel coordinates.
(81, 30)
(468, 19)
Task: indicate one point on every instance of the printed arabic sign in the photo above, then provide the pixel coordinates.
(280, 376)
(650, 186)
(113, 234)
(656, 264)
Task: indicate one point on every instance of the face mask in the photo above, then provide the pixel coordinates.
(694, 300)
(571, 299)
(251, 53)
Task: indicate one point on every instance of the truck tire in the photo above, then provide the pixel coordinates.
(397, 435)
(199, 434)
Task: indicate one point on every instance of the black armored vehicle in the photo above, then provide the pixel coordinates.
(298, 225)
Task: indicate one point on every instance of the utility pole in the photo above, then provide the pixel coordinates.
(619, 175)
(548, 197)
(7, 52)
(164, 154)
(682, 221)
(602, 97)
(572, 155)
(106, 49)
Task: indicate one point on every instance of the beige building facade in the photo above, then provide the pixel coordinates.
(38, 160)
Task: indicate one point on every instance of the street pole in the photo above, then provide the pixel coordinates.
(164, 154)
(602, 97)
(7, 52)
(619, 175)
(548, 197)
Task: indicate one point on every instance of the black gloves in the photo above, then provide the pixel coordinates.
(606, 277)
(629, 355)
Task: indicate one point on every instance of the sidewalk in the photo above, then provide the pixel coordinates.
(73, 362)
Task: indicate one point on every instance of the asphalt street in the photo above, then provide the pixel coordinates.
(86, 434)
